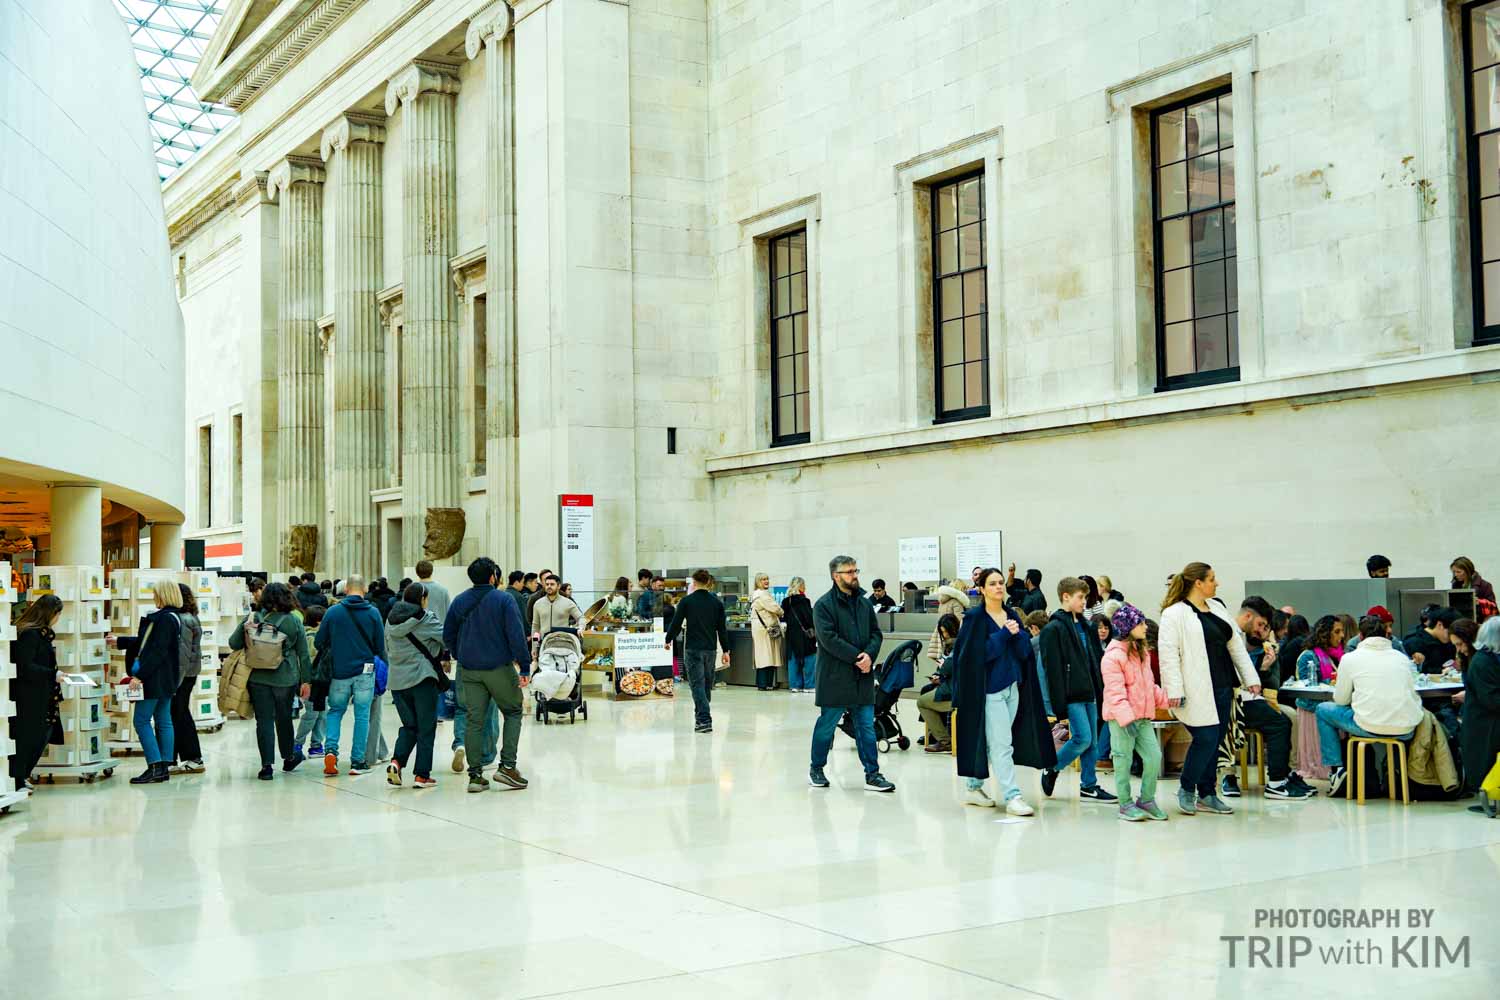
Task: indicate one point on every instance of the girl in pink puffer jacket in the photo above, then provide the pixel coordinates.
(1131, 698)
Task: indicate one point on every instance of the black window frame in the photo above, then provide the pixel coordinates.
(935, 233)
(804, 435)
(1484, 335)
(1192, 380)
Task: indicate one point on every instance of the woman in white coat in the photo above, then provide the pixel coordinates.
(765, 616)
(1203, 659)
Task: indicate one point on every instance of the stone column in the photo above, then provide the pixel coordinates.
(429, 371)
(260, 274)
(297, 183)
(490, 30)
(77, 516)
(351, 148)
(166, 545)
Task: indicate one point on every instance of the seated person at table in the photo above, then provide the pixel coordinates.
(1429, 645)
(879, 598)
(1298, 631)
(1319, 659)
(1259, 715)
(1378, 611)
(935, 703)
(1376, 695)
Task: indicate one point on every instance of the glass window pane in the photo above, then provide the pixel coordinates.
(1226, 121)
(786, 415)
(970, 251)
(1203, 181)
(1202, 128)
(799, 334)
(784, 344)
(952, 298)
(1226, 175)
(1231, 284)
(1229, 236)
(948, 252)
(1208, 289)
(1489, 227)
(953, 387)
(804, 421)
(947, 199)
(974, 394)
(1489, 165)
(953, 342)
(1208, 236)
(1212, 342)
(1484, 41)
(782, 257)
(1174, 244)
(785, 374)
(783, 301)
(1491, 294)
(973, 338)
(798, 245)
(1487, 99)
(969, 209)
(1234, 340)
(974, 292)
(800, 367)
(1178, 341)
(1177, 295)
(1169, 142)
(1171, 190)
(799, 293)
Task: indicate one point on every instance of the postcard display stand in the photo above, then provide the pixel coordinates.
(82, 648)
(9, 793)
(131, 598)
(205, 585)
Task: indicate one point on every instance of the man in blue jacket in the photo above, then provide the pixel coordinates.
(350, 637)
(483, 631)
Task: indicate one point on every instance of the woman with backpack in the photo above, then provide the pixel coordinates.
(413, 640)
(153, 674)
(275, 647)
(187, 753)
(766, 633)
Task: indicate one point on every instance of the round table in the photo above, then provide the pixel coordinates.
(1289, 694)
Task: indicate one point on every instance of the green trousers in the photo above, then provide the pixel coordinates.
(503, 687)
(1124, 743)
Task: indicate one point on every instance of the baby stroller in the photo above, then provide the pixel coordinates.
(556, 681)
(892, 677)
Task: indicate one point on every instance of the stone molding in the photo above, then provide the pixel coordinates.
(468, 269)
(351, 126)
(253, 190)
(490, 25)
(325, 333)
(303, 36)
(219, 200)
(294, 170)
(420, 77)
(389, 302)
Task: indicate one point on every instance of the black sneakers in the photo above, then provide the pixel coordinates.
(1096, 794)
(877, 782)
(1229, 787)
(1288, 789)
(1049, 782)
(816, 778)
(1336, 780)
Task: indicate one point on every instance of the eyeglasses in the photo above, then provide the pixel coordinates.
(846, 572)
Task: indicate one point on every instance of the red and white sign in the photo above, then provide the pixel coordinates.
(576, 531)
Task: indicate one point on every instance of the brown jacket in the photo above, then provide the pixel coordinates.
(234, 696)
(1428, 759)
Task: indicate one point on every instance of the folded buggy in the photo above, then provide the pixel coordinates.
(892, 677)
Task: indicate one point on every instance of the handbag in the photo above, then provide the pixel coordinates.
(1060, 735)
(775, 630)
(443, 682)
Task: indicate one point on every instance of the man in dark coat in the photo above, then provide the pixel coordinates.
(1030, 733)
(848, 642)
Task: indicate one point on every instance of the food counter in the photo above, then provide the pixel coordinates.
(895, 628)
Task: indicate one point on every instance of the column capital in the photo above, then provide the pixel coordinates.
(420, 77)
(351, 126)
(490, 25)
(293, 170)
(252, 190)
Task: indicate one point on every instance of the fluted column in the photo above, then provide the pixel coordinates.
(297, 182)
(351, 148)
(490, 30)
(429, 370)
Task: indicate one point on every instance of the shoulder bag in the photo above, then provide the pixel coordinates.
(775, 630)
(382, 669)
(443, 682)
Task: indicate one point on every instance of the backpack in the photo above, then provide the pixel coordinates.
(264, 645)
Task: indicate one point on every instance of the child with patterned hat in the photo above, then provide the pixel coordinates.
(1131, 698)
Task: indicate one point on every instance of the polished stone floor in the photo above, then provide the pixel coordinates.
(646, 861)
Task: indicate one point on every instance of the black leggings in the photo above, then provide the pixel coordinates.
(417, 707)
(184, 727)
(273, 708)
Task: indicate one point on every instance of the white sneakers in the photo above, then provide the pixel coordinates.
(977, 797)
(1018, 807)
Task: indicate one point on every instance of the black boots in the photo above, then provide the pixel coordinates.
(152, 774)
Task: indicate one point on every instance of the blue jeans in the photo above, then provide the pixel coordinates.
(801, 671)
(1083, 720)
(157, 745)
(491, 737)
(1101, 744)
(1000, 710)
(1335, 718)
(361, 688)
(864, 736)
(699, 664)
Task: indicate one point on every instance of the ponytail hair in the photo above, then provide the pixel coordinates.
(1182, 583)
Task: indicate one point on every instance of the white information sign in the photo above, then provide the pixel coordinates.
(975, 548)
(918, 560)
(641, 651)
(576, 526)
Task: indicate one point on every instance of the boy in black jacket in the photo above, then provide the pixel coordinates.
(1071, 656)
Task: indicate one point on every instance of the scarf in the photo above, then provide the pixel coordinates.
(1327, 662)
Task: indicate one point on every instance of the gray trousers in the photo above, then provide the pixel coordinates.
(375, 748)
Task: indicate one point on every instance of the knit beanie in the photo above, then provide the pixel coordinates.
(1126, 619)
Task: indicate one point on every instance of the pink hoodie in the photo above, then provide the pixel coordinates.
(1130, 692)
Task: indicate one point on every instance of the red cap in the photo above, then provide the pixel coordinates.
(1379, 611)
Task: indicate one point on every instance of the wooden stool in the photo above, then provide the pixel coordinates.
(1358, 767)
(1252, 735)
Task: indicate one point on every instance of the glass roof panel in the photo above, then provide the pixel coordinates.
(169, 37)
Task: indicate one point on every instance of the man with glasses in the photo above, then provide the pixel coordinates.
(848, 642)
